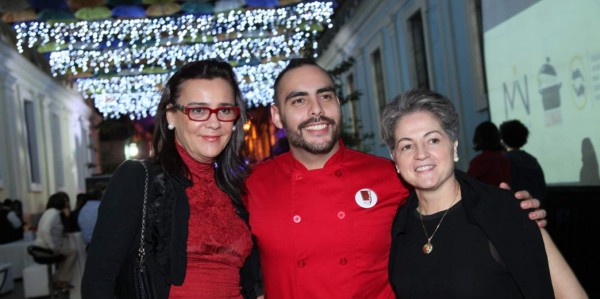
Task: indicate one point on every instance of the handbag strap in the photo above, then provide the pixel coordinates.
(142, 250)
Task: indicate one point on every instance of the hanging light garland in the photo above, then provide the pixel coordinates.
(233, 24)
(246, 50)
(138, 96)
(122, 63)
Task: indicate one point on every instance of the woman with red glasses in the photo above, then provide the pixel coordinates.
(197, 243)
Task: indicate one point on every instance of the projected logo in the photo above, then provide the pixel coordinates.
(550, 91)
(595, 75)
(578, 85)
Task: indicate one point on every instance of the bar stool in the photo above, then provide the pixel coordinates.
(46, 257)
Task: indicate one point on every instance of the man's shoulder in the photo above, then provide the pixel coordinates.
(270, 163)
(355, 156)
(266, 167)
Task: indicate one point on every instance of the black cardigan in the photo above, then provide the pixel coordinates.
(496, 212)
(116, 239)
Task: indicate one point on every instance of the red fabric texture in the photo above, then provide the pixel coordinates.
(218, 242)
(491, 167)
(325, 233)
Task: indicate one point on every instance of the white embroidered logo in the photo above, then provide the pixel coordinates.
(366, 198)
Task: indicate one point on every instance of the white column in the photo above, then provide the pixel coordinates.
(14, 173)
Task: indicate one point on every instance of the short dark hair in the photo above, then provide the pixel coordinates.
(514, 133)
(7, 202)
(487, 137)
(294, 64)
(231, 170)
(414, 101)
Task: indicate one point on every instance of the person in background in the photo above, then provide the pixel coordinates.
(50, 233)
(11, 226)
(526, 171)
(198, 241)
(457, 237)
(17, 207)
(88, 215)
(491, 166)
(588, 174)
(74, 218)
(322, 213)
(281, 146)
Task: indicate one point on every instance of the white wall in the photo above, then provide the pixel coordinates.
(20, 80)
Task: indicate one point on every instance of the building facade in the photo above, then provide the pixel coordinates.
(403, 44)
(45, 134)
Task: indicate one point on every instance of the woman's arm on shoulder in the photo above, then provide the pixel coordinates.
(564, 281)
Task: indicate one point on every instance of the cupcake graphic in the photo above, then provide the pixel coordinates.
(550, 91)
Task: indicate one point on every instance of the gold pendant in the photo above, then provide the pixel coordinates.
(427, 248)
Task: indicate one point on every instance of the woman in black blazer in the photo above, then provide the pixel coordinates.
(197, 241)
(457, 237)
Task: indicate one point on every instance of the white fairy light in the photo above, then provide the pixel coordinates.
(138, 96)
(122, 63)
(32, 34)
(64, 62)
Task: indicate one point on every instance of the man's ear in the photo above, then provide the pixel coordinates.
(276, 117)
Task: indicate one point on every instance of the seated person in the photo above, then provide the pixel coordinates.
(50, 232)
(11, 226)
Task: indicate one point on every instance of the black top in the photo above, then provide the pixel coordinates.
(7, 232)
(463, 263)
(527, 174)
(109, 270)
(486, 247)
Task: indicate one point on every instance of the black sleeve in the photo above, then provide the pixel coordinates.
(117, 228)
(251, 275)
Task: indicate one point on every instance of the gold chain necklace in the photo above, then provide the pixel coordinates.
(428, 248)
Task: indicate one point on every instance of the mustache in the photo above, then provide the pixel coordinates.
(307, 122)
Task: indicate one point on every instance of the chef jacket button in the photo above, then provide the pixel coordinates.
(301, 264)
(297, 218)
(343, 261)
(338, 173)
(341, 214)
(298, 177)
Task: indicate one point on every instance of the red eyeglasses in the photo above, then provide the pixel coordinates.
(225, 114)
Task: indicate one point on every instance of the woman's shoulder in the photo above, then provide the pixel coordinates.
(132, 164)
(132, 168)
(472, 186)
(50, 214)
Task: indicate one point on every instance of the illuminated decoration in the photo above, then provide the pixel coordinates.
(168, 58)
(122, 63)
(131, 150)
(137, 96)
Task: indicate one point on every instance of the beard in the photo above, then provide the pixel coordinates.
(296, 139)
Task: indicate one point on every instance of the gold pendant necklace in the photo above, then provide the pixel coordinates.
(428, 247)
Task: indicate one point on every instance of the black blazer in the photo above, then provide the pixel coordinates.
(116, 238)
(497, 213)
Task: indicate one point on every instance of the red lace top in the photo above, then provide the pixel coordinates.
(218, 242)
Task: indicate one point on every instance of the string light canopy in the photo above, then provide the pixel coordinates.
(122, 63)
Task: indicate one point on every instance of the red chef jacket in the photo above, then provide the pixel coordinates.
(325, 233)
